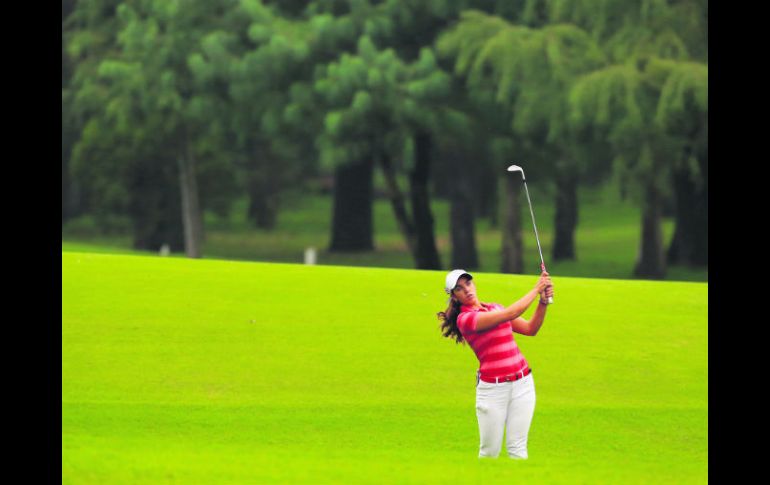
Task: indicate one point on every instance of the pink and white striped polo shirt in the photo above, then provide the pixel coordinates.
(495, 348)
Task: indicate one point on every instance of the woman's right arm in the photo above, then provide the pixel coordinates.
(487, 320)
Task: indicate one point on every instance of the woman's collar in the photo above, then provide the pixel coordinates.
(468, 308)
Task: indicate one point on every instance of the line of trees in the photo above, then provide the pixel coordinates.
(171, 108)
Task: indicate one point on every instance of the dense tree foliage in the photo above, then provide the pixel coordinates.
(529, 71)
(651, 104)
(173, 108)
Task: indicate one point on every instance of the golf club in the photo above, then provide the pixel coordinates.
(516, 168)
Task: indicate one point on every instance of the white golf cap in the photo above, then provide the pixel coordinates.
(452, 277)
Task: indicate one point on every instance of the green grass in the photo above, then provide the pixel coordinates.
(208, 371)
(607, 238)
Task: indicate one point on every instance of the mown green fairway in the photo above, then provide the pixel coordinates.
(203, 371)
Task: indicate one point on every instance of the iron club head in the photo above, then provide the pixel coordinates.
(516, 168)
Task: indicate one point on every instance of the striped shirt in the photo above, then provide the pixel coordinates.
(495, 348)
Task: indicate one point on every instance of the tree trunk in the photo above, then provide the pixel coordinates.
(418, 229)
(512, 260)
(404, 222)
(566, 216)
(155, 208)
(263, 210)
(494, 215)
(192, 218)
(486, 193)
(461, 226)
(689, 245)
(426, 256)
(352, 228)
(461, 214)
(651, 261)
(263, 206)
(263, 186)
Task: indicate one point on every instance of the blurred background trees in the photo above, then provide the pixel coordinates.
(175, 109)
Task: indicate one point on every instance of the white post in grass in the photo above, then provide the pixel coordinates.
(165, 250)
(310, 255)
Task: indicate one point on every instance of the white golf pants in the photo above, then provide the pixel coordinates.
(509, 407)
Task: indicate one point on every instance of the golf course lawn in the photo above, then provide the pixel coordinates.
(205, 371)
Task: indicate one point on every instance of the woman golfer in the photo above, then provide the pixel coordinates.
(505, 391)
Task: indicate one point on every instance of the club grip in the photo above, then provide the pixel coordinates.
(542, 268)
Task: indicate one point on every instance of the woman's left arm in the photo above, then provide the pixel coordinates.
(530, 327)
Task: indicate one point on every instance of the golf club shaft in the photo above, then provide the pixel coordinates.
(537, 238)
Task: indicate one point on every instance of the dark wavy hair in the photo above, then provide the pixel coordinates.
(449, 321)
